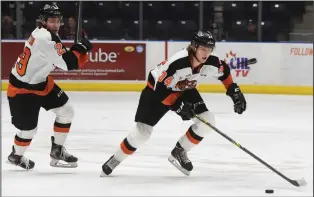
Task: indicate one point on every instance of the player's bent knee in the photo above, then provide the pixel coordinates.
(199, 127)
(65, 113)
(25, 123)
(140, 134)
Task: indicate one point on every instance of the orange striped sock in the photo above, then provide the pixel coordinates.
(61, 132)
(21, 145)
(126, 147)
(190, 139)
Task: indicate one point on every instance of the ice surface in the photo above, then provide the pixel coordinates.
(278, 129)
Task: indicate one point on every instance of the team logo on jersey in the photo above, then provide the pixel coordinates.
(239, 64)
(186, 84)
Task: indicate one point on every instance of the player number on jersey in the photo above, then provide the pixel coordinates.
(168, 81)
(59, 48)
(21, 66)
(162, 76)
(164, 73)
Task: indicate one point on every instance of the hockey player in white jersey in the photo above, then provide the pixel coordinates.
(172, 86)
(31, 87)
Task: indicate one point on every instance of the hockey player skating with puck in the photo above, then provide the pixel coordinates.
(172, 86)
(31, 87)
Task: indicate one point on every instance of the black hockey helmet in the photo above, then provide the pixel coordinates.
(202, 38)
(50, 11)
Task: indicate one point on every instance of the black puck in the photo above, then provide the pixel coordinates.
(269, 191)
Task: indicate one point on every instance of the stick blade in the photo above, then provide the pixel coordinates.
(298, 183)
(301, 182)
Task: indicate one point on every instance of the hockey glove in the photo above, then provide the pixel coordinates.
(185, 110)
(237, 97)
(83, 46)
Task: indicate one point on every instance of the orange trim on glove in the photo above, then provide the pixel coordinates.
(228, 81)
(82, 59)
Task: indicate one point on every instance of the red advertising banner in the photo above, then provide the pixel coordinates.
(107, 61)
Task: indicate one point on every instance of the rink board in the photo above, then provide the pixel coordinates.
(280, 68)
(214, 88)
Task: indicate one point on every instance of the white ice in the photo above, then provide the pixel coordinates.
(277, 128)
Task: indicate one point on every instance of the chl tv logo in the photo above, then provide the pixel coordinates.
(239, 64)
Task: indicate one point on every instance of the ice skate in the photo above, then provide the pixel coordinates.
(180, 160)
(19, 160)
(58, 153)
(109, 166)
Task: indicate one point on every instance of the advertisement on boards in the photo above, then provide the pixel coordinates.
(107, 61)
(297, 64)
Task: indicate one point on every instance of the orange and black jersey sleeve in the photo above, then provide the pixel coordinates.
(226, 78)
(70, 58)
(164, 78)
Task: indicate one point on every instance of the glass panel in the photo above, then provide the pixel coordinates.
(209, 14)
(8, 17)
(171, 20)
(239, 21)
(112, 20)
(68, 30)
(282, 19)
(109, 20)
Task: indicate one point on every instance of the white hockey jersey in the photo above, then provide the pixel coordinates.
(175, 75)
(178, 68)
(42, 54)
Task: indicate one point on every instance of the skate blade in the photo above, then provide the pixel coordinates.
(174, 162)
(13, 164)
(102, 174)
(58, 164)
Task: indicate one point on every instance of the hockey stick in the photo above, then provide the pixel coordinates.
(297, 183)
(251, 61)
(78, 30)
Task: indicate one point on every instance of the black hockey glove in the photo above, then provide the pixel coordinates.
(83, 46)
(184, 109)
(237, 97)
